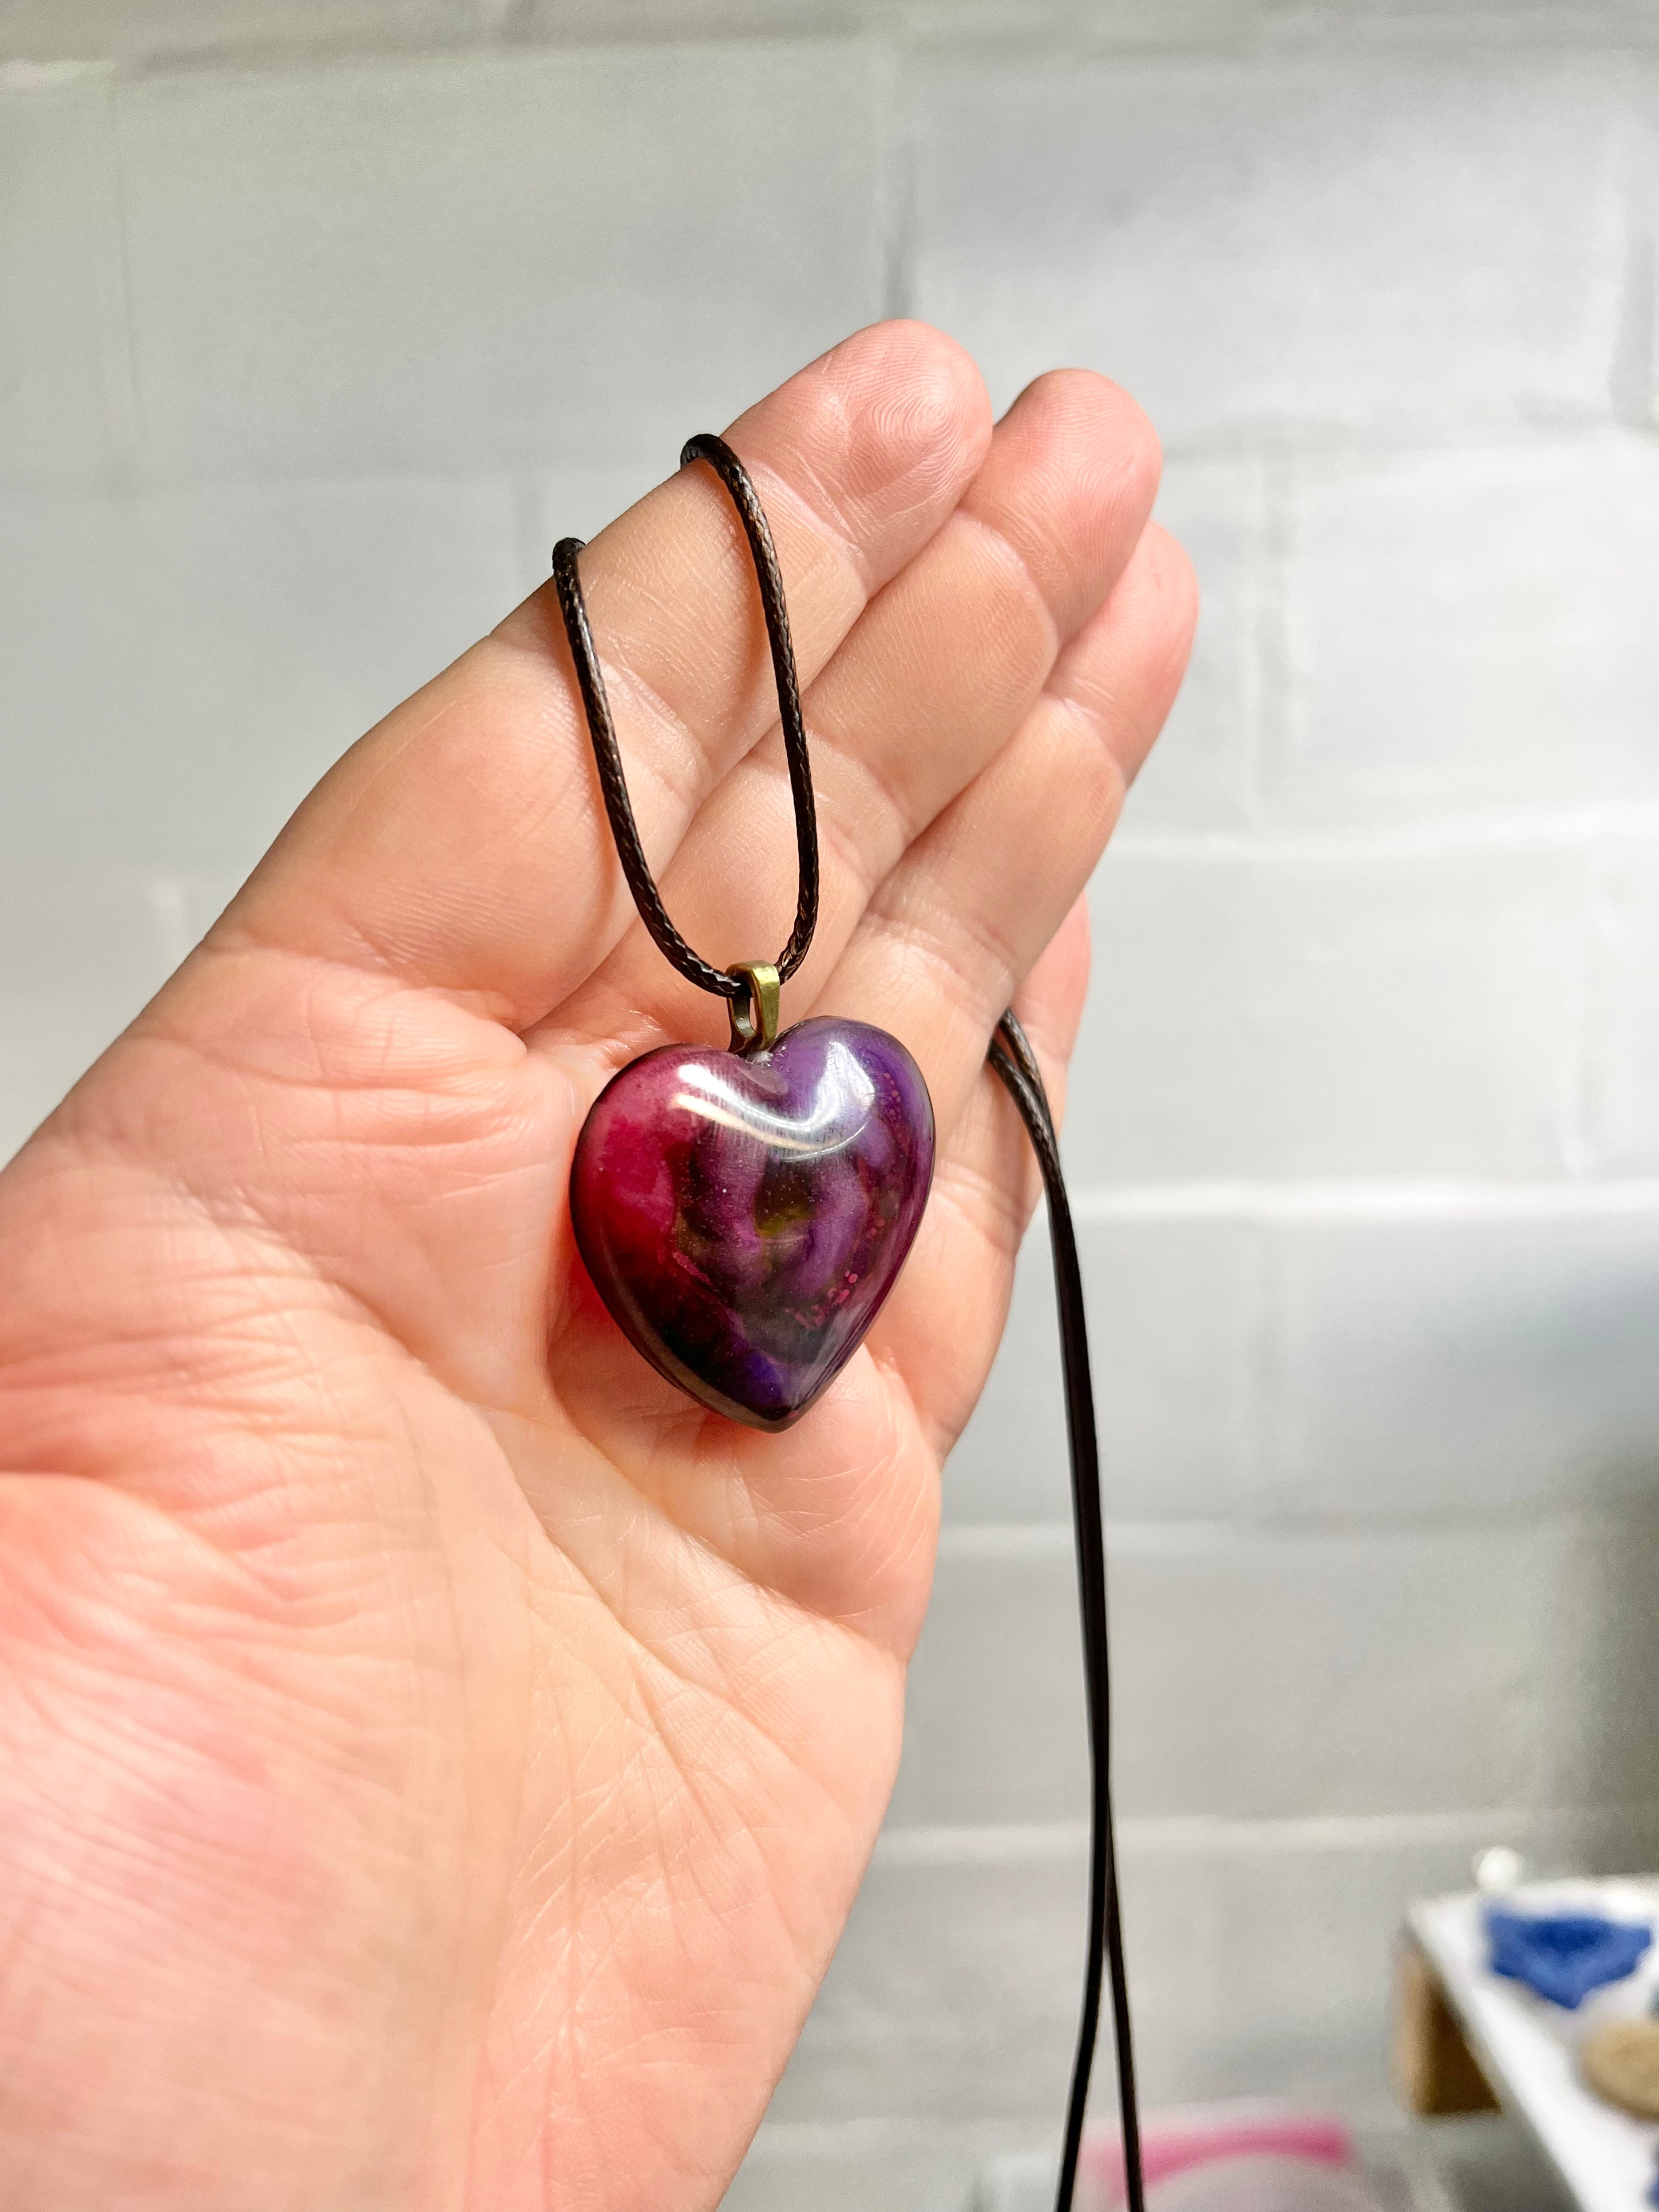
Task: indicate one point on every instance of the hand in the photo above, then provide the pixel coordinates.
(436, 1759)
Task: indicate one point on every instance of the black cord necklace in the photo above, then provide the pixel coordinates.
(743, 1215)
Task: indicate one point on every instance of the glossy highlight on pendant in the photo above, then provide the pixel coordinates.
(744, 1216)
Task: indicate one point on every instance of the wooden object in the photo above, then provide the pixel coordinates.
(1620, 2062)
(1435, 2072)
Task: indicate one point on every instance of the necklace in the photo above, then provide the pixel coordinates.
(744, 1214)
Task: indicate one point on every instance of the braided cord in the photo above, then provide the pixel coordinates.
(607, 753)
(1012, 1057)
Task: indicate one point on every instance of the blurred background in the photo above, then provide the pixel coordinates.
(320, 320)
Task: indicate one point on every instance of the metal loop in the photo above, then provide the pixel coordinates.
(754, 1015)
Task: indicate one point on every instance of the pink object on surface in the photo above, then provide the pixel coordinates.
(1182, 2141)
(1265, 2183)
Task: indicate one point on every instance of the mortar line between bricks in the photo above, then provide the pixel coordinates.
(1579, 1153)
(1603, 956)
(1075, 38)
(872, 2132)
(1265, 1529)
(1270, 701)
(1567, 831)
(1380, 1199)
(471, 40)
(1203, 1834)
(1079, 35)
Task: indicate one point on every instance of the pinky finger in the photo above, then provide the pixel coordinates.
(940, 1328)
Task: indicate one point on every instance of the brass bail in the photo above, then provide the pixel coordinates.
(755, 1014)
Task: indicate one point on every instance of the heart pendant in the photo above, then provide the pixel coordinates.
(744, 1215)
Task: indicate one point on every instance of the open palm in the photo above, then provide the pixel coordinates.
(436, 1759)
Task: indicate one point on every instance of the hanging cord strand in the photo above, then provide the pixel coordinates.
(1011, 1056)
(607, 753)
(1015, 1063)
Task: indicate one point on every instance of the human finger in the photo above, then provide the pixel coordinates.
(462, 844)
(940, 1329)
(947, 938)
(939, 672)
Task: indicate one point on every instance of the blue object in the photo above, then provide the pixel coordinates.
(1564, 1955)
(1653, 2187)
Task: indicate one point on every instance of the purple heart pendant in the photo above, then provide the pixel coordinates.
(743, 1216)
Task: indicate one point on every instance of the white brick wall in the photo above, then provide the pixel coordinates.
(1284, 246)
(1175, 1309)
(141, 30)
(1491, 1356)
(1621, 1097)
(64, 393)
(1449, 615)
(317, 324)
(1206, 777)
(444, 264)
(149, 747)
(1356, 1007)
(1248, 1655)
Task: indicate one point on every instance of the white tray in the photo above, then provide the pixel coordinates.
(1528, 2048)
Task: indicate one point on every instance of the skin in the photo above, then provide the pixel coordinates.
(436, 1759)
